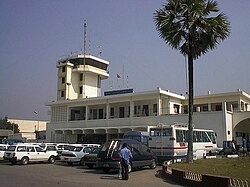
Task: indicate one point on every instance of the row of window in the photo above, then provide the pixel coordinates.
(182, 135)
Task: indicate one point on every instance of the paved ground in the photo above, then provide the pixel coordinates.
(61, 175)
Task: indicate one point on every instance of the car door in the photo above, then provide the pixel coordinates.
(137, 159)
(41, 154)
(31, 153)
(147, 154)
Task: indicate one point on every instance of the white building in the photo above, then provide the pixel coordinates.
(82, 114)
(28, 130)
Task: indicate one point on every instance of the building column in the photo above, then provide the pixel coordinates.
(209, 107)
(159, 106)
(239, 105)
(107, 110)
(132, 107)
(87, 112)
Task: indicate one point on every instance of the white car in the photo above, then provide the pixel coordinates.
(74, 154)
(25, 153)
(3, 147)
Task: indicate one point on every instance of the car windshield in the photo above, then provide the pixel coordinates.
(75, 148)
(95, 151)
(11, 148)
(63, 147)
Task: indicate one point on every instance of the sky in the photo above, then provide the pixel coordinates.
(35, 34)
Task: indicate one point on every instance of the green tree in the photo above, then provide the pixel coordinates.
(193, 27)
(5, 124)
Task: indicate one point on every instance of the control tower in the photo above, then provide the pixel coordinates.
(80, 76)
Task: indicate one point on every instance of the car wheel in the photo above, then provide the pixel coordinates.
(24, 160)
(52, 159)
(70, 163)
(82, 162)
(129, 167)
(105, 170)
(90, 166)
(153, 164)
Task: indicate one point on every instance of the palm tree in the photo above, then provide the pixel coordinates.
(186, 25)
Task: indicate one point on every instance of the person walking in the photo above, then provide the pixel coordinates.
(125, 156)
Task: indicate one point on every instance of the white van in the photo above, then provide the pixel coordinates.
(25, 153)
(3, 147)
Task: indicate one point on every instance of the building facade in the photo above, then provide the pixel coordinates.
(82, 114)
(29, 130)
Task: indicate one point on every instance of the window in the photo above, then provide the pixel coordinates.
(185, 109)
(63, 69)
(112, 112)
(39, 149)
(51, 148)
(145, 110)
(218, 108)
(161, 132)
(205, 108)
(121, 112)
(181, 136)
(176, 109)
(21, 149)
(135, 109)
(155, 108)
(62, 93)
(30, 149)
(81, 76)
(94, 113)
(80, 89)
(63, 80)
(87, 149)
(100, 113)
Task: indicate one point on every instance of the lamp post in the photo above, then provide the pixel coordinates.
(37, 129)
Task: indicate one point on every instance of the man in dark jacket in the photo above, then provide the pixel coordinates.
(125, 156)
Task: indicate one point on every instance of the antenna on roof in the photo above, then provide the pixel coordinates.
(89, 47)
(99, 50)
(84, 37)
(84, 53)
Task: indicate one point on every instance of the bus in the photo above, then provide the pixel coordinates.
(171, 142)
(140, 136)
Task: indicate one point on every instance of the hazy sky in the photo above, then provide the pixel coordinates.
(35, 34)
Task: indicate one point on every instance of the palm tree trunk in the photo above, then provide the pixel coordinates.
(190, 108)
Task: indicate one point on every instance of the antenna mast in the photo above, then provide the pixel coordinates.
(84, 53)
(84, 37)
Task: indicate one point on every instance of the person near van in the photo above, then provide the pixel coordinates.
(125, 156)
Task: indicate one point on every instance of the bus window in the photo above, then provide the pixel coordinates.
(195, 138)
(140, 136)
(181, 136)
(167, 132)
(212, 136)
(205, 137)
(161, 132)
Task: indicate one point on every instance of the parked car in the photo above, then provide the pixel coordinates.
(3, 148)
(108, 157)
(90, 159)
(74, 154)
(11, 141)
(25, 153)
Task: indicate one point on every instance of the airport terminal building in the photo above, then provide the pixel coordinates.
(82, 113)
